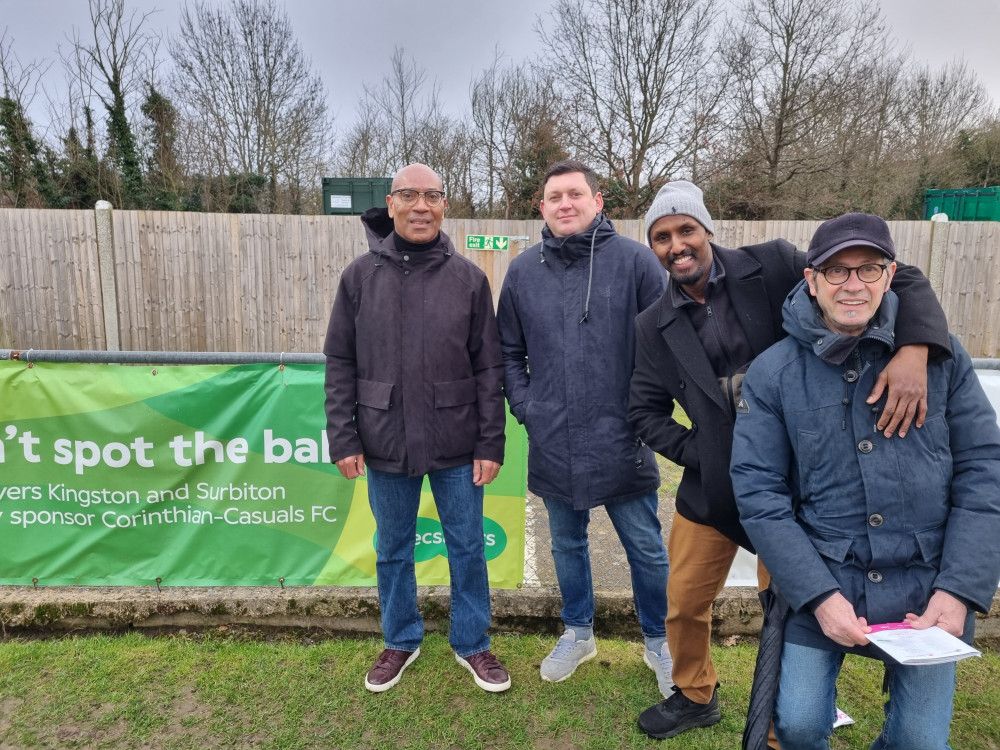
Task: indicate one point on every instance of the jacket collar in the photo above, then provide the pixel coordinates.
(743, 281)
(803, 321)
(575, 246)
(381, 234)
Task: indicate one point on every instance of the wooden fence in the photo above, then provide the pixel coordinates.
(169, 281)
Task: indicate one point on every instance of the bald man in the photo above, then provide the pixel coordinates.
(414, 379)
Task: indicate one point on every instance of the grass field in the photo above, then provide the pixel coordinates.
(238, 689)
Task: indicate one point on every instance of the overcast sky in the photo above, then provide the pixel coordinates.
(351, 41)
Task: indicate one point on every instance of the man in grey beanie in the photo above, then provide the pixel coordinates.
(720, 310)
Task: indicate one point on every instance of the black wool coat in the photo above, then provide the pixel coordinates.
(414, 374)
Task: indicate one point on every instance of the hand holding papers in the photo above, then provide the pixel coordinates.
(909, 646)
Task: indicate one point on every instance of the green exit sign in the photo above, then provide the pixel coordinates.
(486, 242)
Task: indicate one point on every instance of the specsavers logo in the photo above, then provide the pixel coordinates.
(430, 539)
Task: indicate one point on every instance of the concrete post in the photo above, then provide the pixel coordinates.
(106, 265)
(939, 252)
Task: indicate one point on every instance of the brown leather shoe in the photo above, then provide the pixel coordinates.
(487, 671)
(388, 669)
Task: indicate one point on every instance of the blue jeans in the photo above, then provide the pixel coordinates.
(394, 499)
(638, 529)
(917, 714)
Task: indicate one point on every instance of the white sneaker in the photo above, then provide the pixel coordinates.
(662, 665)
(568, 654)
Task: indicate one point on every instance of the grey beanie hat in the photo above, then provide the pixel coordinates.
(680, 197)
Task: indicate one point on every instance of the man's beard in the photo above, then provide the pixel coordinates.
(688, 277)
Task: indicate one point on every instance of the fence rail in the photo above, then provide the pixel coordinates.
(175, 281)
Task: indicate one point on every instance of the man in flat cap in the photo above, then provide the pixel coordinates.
(855, 527)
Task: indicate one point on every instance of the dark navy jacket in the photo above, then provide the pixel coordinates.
(831, 504)
(566, 379)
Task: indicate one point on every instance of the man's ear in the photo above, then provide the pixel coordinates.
(810, 275)
(890, 271)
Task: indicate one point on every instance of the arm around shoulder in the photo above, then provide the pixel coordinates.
(921, 319)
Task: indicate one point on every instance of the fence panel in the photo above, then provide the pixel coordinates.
(250, 282)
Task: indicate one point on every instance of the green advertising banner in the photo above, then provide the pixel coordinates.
(202, 476)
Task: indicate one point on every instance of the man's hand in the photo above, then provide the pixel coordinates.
(943, 610)
(906, 378)
(352, 467)
(484, 472)
(839, 622)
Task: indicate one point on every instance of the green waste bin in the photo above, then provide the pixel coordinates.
(352, 196)
(967, 204)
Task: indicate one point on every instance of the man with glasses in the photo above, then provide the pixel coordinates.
(858, 528)
(721, 309)
(414, 380)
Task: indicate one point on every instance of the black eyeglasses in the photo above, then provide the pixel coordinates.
(409, 197)
(837, 275)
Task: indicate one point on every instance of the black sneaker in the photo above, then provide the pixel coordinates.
(678, 714)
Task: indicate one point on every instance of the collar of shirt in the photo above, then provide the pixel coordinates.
(679, 298)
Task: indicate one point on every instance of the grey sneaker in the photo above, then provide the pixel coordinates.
(663, 666)
(568, 654)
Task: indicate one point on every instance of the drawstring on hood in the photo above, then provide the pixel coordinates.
(564, 247)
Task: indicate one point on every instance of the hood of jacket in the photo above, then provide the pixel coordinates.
(803, 321)
(583, 244)
(380, 231)
(575, 246)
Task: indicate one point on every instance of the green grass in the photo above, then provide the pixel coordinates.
(251, 690)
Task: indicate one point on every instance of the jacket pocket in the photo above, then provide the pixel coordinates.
(931, 543)
(376, 420)
(456, 418)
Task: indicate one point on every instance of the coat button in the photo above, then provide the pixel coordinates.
(875, 519)
(694, 427)
(850, 376)
(682, 385)
(406, 273)
(874, 576)
(406, 257)
(865, 446)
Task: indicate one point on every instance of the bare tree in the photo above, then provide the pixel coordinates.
(115, 61)
(794, 65)
(516, 114)
(365, 150)
(251, 103)
(400, 121)
(22, 179)
(635, 76)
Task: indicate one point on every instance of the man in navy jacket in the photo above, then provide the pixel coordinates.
(857, 528)
(566, 317)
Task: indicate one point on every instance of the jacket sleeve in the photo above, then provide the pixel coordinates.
(341, 377)
(652, 280)
(970, 558)
(651, 405)
(487, 365)
(921, 320)
(514, 349)
(761, 470)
